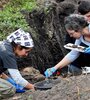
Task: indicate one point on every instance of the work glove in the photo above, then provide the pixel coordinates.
(87, 50)
(19, 88)
(50, 71)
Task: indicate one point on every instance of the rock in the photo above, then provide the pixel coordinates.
(32, 74)
(30, 71)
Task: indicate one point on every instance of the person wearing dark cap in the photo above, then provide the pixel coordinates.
(84, 9)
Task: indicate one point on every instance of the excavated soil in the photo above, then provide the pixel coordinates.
(69, 88)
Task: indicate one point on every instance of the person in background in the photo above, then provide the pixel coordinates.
(83, 9)
(19, 43)
(78, 28)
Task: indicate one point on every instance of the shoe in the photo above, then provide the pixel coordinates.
(86, 70)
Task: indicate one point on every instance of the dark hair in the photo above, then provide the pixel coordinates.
(75, 22)
(84, 7)
(14, 45)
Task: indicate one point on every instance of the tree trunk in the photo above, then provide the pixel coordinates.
(47, 29)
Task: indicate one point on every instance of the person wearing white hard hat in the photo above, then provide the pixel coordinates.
(19, 43)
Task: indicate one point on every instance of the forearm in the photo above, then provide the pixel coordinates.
(15, 74)
(26, 83)
(64, 62)
(70, 57)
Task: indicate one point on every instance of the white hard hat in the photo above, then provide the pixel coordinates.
(21, 37)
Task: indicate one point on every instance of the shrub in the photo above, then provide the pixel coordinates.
(11, 18)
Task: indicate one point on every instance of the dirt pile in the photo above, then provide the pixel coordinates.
(71, 88)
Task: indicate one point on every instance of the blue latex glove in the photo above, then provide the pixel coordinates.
(87, 50)
(19, 89)
(49, 71)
